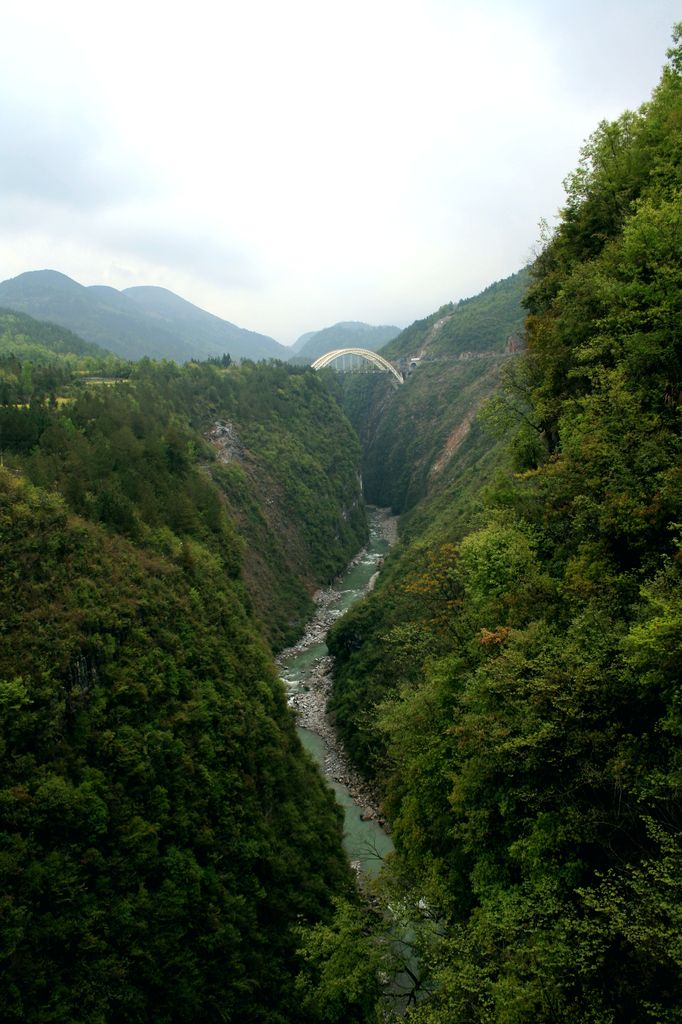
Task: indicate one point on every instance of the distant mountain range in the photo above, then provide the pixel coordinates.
(347, 334)
(135, 322)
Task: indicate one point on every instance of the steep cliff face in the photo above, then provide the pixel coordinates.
(452, 361)
(287, 462)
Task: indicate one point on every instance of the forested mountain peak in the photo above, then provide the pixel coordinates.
(205, 329)
(135, 322)
(33, 280)
(156, 297)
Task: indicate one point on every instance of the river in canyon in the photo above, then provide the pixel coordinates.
(306, 671)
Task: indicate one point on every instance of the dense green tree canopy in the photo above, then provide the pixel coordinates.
(162, 834)
(514, 679)
(512, 682)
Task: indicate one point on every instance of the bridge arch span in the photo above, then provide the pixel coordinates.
(364, 353)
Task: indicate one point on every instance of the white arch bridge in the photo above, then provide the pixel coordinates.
(348, 356)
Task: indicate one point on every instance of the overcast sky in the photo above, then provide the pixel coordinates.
(287, 164)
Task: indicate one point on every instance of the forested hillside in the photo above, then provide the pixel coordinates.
(511, 684)
(156, 456)
(38, 361)
(513, 681)
(136, 322)
(21, 335)
(483, 324)
(162, 834)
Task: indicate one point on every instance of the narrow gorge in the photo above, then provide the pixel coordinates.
(306, 670)
(190, 565)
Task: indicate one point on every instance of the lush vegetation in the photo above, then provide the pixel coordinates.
(512, 682)
(39, 362)
(163, 837)
(134, 456)
(485, 323)
(24, 337)
(514, 679)
(160, 831)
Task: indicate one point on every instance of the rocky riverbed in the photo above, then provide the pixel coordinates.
(310, 701)
(311, 713)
